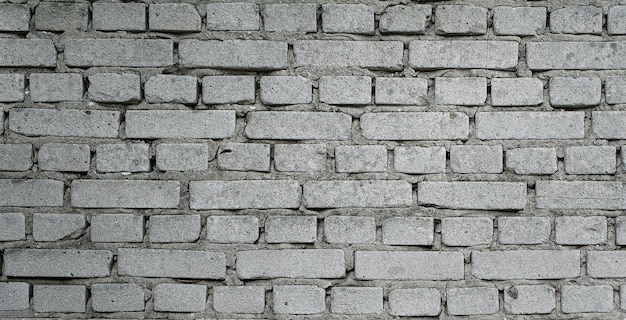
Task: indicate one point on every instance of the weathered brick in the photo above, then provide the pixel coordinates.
(55, 87)
(31, 193)
(125, 194)
(472, 301)
(603, 195)
(116, 297)
(408, 265)
(291, 229)
(295, 125)
(64, 122)
(580, 230)
(609, 124)
(415, 302)
(14, 295)
(419, 159)
(582, 299)
(401, 91)
(232, 229)
(524, 230)
(461, 91)
(232, 16)
(171, 89)
(347, 229)
(57, 227)
(615, 89)
(531, 125)
(11, 85)
(411, 19)
(239, 299)
(27, 53)
(250, 194)
(14, 17)
(466, 231)
(476, 54)
(228, 89)
(63, 298)
(415, 125)
(174, 228)
(176, 297)
(154, 124)
(348, 18)
(357, 193)
(408, 231)
(295, 263)
(119, 16)
(62, 16)
(356, 300)
(114, 87)
(116, 227)
(281, 90)
(298, 299)
(576, 20)
(615, 20)
(590, 160)
(620, 231)
(529, 299)
(362, 158)
(135, 53)
(476, 159)
(174, 17)
(460, 20)
(572, 55)
(16, 157)
(375, 55)
(168, 156)
(300, 157)
(606, 264)
(516, 92)
(123, 157)
(244, 157)
(575, 92)
(12, 228)
(532, 160)
(292, 17)
(345, 90)
(64, 157)
(525, 264)
(57, 263)
(519, 21)
(158, 263)
(473, 195)
(233, 54)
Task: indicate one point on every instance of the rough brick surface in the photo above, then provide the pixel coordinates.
(415, 302)
(575, 55)
(116, 297)
(16, 157)
(300, 157)
(13, 226)
(412, 19)
(415, 126)
(345, 90)
(291, 229)
(62, 16)
(590, 160)
(367, 193)
(244, 157)
(119, 16)
(117, 228)
(292, 17)
(575, 92)
(27, 53)
(185, 264)
(401, 91)
(298, 299)
(168, 156)
(114, 194)
(348, 18)
(56, 87)
(267, 264)
(406, 265)
(521, 264)
(174, 297)
(298, 125)
(347, 300)
(529, 299)
(580, 230)
(214, 124)
(516, 92)
(59, 298)
(346, 229)
(174, 17)
(520, 21)
(427, 54)
(114, 52)
(233, 54)
(606, 264)
(472, 301)
(232, 229)
(608, 124)
(578, 299)
(65, 122)
(460, 91)
(64, 157)
(114, 87)
(172, 89)
(615, 90)
(174, 228)
(14, 17)
(280, 90)
(11, 87)
(56, 227)
(460, 20)
(14, 296)
(476, 159)
(123, 157)
(576, 20)
(529, 125)
(615, 20)
(239, 299)
(31, 193)
(605, 195)
(465, 232)
(341, 54)
(259, 194)
(523, 230)
(408, 231)
(419, 159)
(366, 158)
(228, 89)
(473, 195)
(232, 16)
(532, 160)
(57, 263)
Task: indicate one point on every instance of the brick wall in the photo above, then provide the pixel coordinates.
(313, 160)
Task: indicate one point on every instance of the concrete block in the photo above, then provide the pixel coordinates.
(31, 193)
(409, 19)
(590, 160)
(415, 126)
(466, 231)
(362, 158)
(576, 20)
(507, 92)
(356, 300)
(408, 265)
(199, 124)
(56, 87)
(15, 17)
(64, 157)
(115, 52)
(171, 89)
(232, 229)
(458, 54)
(608, 124)
(606, 264)
(160, 263)
(575, 92)
(281, 90)
(620, 231)
(352, 90)
(116, 297)
(401, 91)
(168, 156)
(461, 91)
(14, 295)
(529, 125)
(244, 157)
(114, 87)
(11, 84)
(347, 229)
(298, 299)
(117, 227)
(58, 227)
(473, 195)
(175, 297)
(119, 16)
(415, 302)
(115, 194)
(27, 53)
(64, 122)
(526, 264)
(602, 195)
(62, 16)
(296, 125)
(348, 18)
(576, 55)
(249, 194)
(357, 193)
(292, 17)
(529, 299)
(174, 17)
(300, 157)
(476, 159)
(615, 23)
(233, 54)
(460, 20)
(472, 301)
(57, 263)
(16, 157)
(408, 231)
(239, 299)
(532, 160)
(174, 228)
(228, 89)
(524, 230)
(232, 16)
(584, 299)
(12, 227)
(123, 157)
(419, 160)
(291, 229)
(580, 230)
(375, 55)
(293, 263)
(59, 298)
(615, 88)
(519, 21)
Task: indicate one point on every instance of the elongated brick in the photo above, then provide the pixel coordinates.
(57, 263)
(31, 193)
(119, 52)
(297, 263)
(65, 122)
(253, 194)
(233, 54)
(376, 55)
(415, 125)
(473, 195)
(184, 264)
(463, 54)
(27, 53)
(290, 125)
(357, 193)
(530, 125)
(573, 55)
(526, 264)
(408, 265)
(603, 195)
(125, 194)
(212, 124)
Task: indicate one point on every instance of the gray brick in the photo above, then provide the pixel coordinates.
(116, 227)
(580, 230)
(590, 160)
(232, 16)
(250, 194)
(298, 299)
(411, 19)
(476, 159)
(174, 17)
(355, 300)
(64, 122)
(606, 264)
(401, 91)
(300, 157)
(519, 21)
(516, 92)
(582, 299)
(175, 297)
(357, 193)
(615, 20)
(461, 91)
(362, 158)
(472, 301)
(244, 157)
(62, 16)
(375, 55)
(114, 87)
(291, 229)
(11, 84)
(16, 157)
(228, 89)
(64, 157)
(295, 263)
(27, 53)
(475, 54)
(419, 160)
(57, 263)
(347, 229)
(12, 228)
(576, 20)
(530, 125)
(466, 231)
(280, 90)
(529, 299)
(532, 160)
(233, 54)
(56, 227)
(460, 20)
(14, 17)
(232, 229)
(345, 90)
(572, 55)
(473, 195)
(408, 265)
(295, 125)
(415, 302)
(609, 124)
(14, 295)
(526, 264)
(524, 230)
(575, 92)
(116, 297)
(622, 297)
(168, 156)
(64, 298)
(292, 17)
(158, 263)
(171, 88)
(31, 193)
(135, 53)
(55, 87)
(154, 124)
(239, 299)
(415, 126)
(174, 228)
(123, 157)
(348, 18)
(115, 194)
(119, 16)
(408, 231)
(615, 88)
(602, 195)
(620, 231)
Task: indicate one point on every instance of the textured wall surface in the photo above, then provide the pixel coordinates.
(326, 160)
